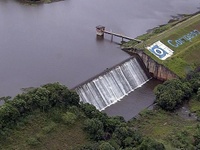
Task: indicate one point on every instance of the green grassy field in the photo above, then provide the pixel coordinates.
(168, 128)
(40, 131)
(186, 56)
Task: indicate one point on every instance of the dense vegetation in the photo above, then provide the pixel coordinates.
(31, 119)
(172, 93)
(51, 117)
(167, 125)
(174, 131)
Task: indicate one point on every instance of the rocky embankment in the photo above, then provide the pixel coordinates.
(157, 70)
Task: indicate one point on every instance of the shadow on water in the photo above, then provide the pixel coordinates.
(135, 102)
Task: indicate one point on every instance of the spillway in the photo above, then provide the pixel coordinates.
(111, 86)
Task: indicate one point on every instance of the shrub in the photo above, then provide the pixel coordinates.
(91, 112)
(8, 114)
(90, 146)
(181, 140)
(106, 146)
(171, 94)
(41, 98)
(150, 144)
(95, 128)
(112, 122)
(197, 137)
(127, 137)
(69, 118)
(194, 79)
(49, 128)
(76, 110)
(19, 103)
(32, 141)
(61, 95)
(55, 114)
(160, 29)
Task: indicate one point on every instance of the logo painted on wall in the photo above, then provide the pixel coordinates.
(160, 50)
(186, 38)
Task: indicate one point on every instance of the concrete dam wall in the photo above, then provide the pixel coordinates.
(156, 70)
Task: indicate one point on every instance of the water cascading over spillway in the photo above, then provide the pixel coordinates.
(113, 85)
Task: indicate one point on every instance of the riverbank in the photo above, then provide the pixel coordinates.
(30, 2)
(181, 35)
(171, 129)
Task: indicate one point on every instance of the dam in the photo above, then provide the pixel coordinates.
(56, 43)
(113, 84)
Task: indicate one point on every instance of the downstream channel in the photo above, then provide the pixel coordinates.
(57, 42)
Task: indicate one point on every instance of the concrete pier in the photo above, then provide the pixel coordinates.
(100, 31)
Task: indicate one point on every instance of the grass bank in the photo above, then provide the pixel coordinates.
(170, 129)
(186, 56)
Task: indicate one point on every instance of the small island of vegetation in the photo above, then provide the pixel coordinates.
(38, 1)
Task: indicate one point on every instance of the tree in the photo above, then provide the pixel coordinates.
(95, 128)
(126, 137)
(91, 112)
(106, 146)
(61, 95)
(171, 93)
(5, 98)
(18, 103)
(194, 79)
(57, 93)
(69, 118)
(72, 98)
(8, 114)
(170, 99)
(29, 104)
(150, 144)
(112, 122)
(187, 89)
(41, 98)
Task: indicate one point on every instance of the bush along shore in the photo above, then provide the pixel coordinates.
(38, 1)
(51, 117)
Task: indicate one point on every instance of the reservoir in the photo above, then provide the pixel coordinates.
(57, 42)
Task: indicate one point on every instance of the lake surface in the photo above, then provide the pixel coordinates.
(57, 42)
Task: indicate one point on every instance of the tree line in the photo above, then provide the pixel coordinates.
(173, 93)
(43, 98)
(104, 132)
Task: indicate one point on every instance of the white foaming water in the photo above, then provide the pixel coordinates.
(112, 86)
